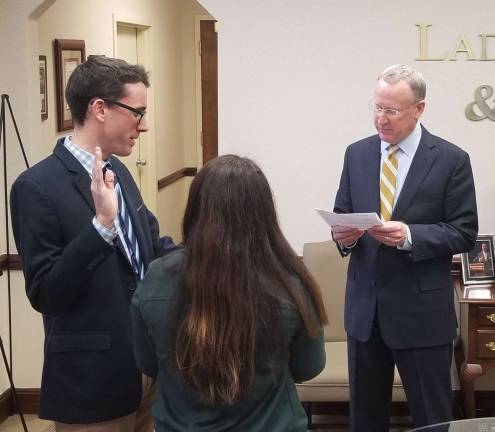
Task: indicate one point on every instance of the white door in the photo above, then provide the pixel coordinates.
(127, 50)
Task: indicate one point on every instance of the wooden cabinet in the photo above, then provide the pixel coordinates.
(475, 352)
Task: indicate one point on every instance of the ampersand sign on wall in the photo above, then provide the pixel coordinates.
(481, 95)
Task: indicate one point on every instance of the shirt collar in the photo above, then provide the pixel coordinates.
(409, 144)
(85, 158)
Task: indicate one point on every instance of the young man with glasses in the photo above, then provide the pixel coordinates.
(86, 239)
(399, 308)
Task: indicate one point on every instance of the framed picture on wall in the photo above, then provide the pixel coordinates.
(68, 54)
(477, 265)
(43, 90)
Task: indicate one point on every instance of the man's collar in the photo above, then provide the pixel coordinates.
(409, 144)
(85, 158)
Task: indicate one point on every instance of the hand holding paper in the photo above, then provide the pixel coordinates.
(392, 233)
(346, 236)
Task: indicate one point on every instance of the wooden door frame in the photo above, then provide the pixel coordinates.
(145, 57)
(199, 105)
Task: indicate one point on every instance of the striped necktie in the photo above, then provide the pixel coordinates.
(127, 229)
(388, 180)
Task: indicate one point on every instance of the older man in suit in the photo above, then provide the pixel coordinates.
(85, 239)
(399, 307)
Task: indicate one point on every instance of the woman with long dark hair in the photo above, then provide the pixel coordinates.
(228, 323)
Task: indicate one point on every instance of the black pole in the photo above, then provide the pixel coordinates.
(6, 97)
(14, 393)
(3, 137)
(6, 203)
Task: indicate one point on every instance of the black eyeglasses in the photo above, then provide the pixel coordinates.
(139, 113)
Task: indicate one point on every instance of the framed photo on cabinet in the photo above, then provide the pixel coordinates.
(477, 265)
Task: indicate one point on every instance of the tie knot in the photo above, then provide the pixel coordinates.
(392, 150)
(108, 166)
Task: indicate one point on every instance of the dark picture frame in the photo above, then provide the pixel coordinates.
(68, 54)
(478, 264)
(43, 87)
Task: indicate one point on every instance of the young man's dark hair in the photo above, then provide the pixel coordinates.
(100, 77)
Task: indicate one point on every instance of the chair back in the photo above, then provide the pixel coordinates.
(329, 269)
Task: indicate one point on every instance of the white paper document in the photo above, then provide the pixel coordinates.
(351, 220)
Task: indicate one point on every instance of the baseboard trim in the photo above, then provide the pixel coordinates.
(485, 407)
(29, 400)
(341, 408)
(5, 401)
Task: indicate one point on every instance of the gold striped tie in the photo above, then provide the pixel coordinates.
(388, 179)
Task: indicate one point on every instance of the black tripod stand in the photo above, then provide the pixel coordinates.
(3, 138)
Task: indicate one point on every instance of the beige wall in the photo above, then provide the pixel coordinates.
(18, 43)
(27, 29)
(172, 78)
(171, 200)
(3, 328)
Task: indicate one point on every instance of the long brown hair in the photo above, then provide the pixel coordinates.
(235, 258)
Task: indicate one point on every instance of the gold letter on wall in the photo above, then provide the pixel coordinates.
(423, 44)
(484, 37)
(462, 47)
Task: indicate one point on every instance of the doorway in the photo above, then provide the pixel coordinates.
(130, 45)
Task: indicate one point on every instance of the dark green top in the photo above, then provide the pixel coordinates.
(271, 406)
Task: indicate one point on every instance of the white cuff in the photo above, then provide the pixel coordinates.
(108, 234)
(407, 245)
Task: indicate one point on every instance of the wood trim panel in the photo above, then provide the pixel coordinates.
(177, 175)
(11, 262)
(5, 401)
(3, 263)
(209, 89)
(29, 399)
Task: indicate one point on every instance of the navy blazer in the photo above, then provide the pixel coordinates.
(83, 287)
(411, 292)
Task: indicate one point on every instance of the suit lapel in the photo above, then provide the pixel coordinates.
(420, 167)
(372, 175)
(82, 181)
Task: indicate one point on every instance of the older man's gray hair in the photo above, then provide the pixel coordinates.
(395, 73)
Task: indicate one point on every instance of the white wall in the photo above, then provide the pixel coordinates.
(295, 78)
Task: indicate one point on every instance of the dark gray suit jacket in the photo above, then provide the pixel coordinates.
(82, 286)
(411, 292)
